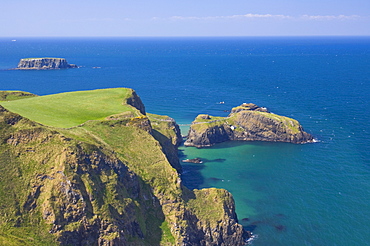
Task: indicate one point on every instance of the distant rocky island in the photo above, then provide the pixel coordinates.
(44, 63)
(247, 122)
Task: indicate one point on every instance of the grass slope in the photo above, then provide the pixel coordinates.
(72, 108)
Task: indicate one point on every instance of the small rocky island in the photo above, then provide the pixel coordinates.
(44, 63)
(247, 122)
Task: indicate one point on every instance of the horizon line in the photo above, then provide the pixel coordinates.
(185, 36)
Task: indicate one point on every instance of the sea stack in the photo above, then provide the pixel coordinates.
(44, 64)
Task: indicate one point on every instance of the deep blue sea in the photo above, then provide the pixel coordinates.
(311, 194)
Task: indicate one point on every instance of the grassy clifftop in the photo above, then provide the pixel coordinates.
(73, 108)
(101, 174)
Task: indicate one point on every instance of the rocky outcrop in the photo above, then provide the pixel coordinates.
(135, 101)
(210, 232)
(14, 95)
(43, 64)
(247, 122)
(208, 136)
(108, 182)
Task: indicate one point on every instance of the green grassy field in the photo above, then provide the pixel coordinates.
(70, 109)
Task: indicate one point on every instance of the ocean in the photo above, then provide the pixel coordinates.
(310, 194)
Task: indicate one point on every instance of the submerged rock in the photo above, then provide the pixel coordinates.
(44, 64)
(195, 160)
(247, 122)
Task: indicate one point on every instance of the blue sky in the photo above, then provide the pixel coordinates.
(184, 18)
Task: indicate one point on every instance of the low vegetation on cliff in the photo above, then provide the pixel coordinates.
(105, 173)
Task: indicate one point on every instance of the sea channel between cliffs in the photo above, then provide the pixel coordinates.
(223, 142)
(93, 129)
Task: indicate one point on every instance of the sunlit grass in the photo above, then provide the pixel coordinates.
(72, 108)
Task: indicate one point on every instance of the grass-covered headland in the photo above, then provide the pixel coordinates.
(93, 168)
(72, 108)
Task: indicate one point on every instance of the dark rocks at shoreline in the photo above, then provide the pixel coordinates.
(195, 160)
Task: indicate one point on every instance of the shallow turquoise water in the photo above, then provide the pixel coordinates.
(287, 199)
(312, 194)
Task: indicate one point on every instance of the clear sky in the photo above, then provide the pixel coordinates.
(183, 18)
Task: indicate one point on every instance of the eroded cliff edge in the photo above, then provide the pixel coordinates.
(247, 122)
(105, 182)
(44, 63)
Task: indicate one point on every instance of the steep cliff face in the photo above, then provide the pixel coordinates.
(43, 64)
(168, 134)
(135, 101)
(106, 182)
(214, 213)
(247, 122)
(212, 134)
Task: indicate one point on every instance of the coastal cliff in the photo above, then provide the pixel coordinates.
(247, 122)
(43, 64)
(112, 181)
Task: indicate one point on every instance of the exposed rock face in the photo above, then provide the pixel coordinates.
(212, 233)
(109, 182)
(136, 102)
(168, 134)
(247, 122)
(209, 136)
(14, 95)
(43, 64)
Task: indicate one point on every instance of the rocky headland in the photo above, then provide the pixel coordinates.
(14, 95)
(247, 122)
(43, 64)
(113, 181)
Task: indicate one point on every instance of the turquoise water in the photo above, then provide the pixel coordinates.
(312, 194)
